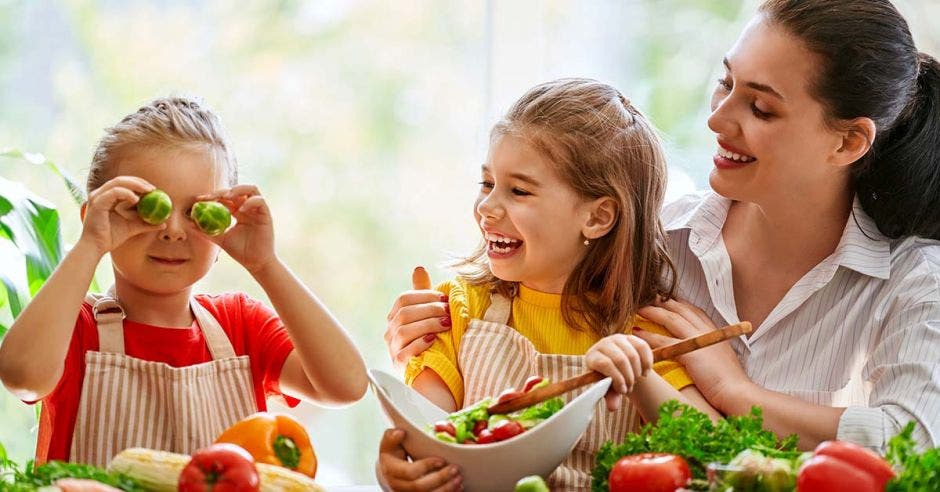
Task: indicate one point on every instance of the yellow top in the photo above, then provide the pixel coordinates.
(536, 316)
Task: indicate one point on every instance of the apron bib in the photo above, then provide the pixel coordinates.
(493, 356)
(128, 402)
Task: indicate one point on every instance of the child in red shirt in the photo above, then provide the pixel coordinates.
(150, 363)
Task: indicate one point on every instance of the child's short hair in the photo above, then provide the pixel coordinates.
(601, 146)
(172, 122)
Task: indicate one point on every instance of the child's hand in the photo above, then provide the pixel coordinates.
(109, 216)
(251, 241)
(400, 474)
(623, 358)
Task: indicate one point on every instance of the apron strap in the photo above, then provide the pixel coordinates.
(219, 345)
(499, 310)
(109, 316)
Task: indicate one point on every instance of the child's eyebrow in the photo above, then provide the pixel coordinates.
(520, 176)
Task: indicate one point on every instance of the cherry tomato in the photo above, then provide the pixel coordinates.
(649, 472)
(479, 426)
(506, 429)
(485, 437)
(445, 426)
(529, 383)
(220, 468)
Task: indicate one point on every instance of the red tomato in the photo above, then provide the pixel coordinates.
(479, 426)
(485, 437)
(529, 383)
(826, 473)
(505, 429)
(862, 458)
(445, 426)
(649, 472)
(220, 468)
(507, 395)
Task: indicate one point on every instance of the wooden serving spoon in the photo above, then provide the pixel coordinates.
(662, 353)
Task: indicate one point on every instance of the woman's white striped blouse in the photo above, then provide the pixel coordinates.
(861, 330)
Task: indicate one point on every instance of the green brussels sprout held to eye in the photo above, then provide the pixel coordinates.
(213, 218)
(155, 207)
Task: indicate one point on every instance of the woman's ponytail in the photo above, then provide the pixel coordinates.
(899, 185)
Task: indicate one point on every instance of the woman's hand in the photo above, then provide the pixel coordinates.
(251, 241)
(717, 373)
(623, 358)
(413, 321)
(109, 216)
(397, 473)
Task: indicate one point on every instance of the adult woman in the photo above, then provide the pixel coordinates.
(826, 179)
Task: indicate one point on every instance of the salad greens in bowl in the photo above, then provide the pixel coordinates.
(490, 465)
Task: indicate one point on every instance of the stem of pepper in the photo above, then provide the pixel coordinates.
(286, 450)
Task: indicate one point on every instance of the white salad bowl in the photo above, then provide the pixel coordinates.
(491, 467)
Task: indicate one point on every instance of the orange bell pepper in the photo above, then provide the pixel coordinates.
(275, 439)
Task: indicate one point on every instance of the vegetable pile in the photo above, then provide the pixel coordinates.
(474, 424)
(684, 431)
(684, 448)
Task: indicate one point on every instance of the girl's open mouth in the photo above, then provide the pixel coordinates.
(498, 246)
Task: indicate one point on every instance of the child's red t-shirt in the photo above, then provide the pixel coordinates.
(253, 328)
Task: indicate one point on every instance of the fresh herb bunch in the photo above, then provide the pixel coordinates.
(30, 478)
(687, 432)
(916, 471)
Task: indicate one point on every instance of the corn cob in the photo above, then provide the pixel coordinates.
(159, 471)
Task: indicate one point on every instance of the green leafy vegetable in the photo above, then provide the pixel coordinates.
(916, 472)
(14, 479)
(541, 411)
(687, 432)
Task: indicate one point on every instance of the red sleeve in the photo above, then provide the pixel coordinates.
(256, 331)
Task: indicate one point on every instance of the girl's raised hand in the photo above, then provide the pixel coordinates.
(399, 473)
(251, 240)
(109, 216)
(623, 358)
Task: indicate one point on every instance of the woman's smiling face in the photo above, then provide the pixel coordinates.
(530, 218)
(772, 135)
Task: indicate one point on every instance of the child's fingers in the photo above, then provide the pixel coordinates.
(602, 362)
(441, 478)
(390, 445)
(630, 352)
(412, 297)
(644, 351)
(654, 340)
(613, 400)
(253, 208)
(246, 190)
(133, 183)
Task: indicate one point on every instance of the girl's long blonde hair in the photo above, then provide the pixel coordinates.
(602, 147)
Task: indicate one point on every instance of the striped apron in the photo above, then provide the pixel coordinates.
(128, 402)
(493, 357)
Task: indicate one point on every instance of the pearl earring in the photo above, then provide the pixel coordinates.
(587, 242)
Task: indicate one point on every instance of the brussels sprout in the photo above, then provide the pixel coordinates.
(532, 483)
(155, 207)
(212, 217)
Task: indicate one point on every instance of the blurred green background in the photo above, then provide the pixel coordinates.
(364, 123)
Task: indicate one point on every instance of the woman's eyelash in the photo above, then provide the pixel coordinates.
(485, 184)
(727, 85)
(520, 192)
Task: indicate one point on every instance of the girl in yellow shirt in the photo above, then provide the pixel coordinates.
(571, 247)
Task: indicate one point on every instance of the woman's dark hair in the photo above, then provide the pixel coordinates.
(870, 68)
